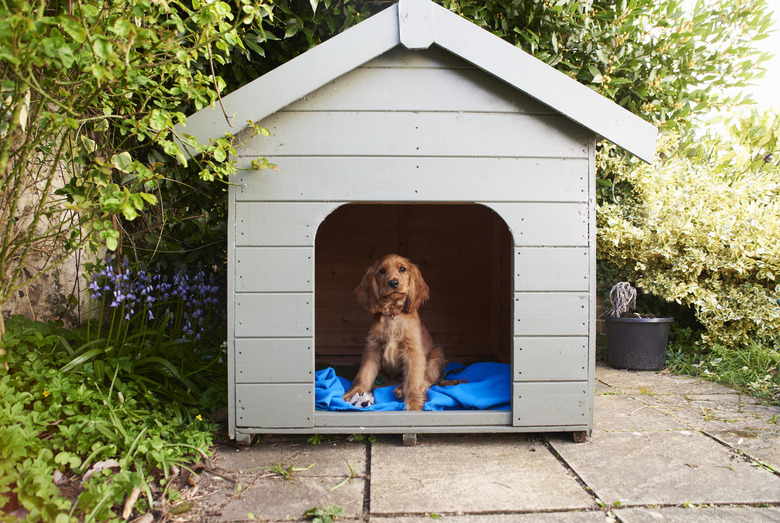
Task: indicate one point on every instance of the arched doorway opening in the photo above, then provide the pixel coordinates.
(465, 253)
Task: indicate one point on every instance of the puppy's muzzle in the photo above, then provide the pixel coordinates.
(393, 284)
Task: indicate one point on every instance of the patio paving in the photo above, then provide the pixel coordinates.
(664, 447)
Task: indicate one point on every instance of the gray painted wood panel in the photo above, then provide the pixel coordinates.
(550, 404)
(395, 89)
(274, 269)
(458, 429)
(230, 312)
(545, 224)
(285, 405)
(428, 429)
(593, 278)
(424, 419)
(433, 57)
(552, 269)
(550, 359)
(274, 315)
(551, 314)
(274, 360)
(279, 224)
(419, 134)
(415, 179)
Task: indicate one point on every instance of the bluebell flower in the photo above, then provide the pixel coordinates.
(138, 288)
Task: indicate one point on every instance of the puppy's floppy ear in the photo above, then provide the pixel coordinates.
(367, 292)
(418, 289)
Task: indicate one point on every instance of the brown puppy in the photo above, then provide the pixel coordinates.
(397, 343)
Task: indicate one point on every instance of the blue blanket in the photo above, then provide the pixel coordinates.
(488, 387)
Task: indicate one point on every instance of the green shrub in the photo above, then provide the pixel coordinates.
(90, 94)
(702, 229)
(62, 411)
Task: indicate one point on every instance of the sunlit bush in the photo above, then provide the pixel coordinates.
(703, 228)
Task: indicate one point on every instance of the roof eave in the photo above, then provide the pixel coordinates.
(310, 70)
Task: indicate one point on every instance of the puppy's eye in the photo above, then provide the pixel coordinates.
(382, 270)
(402, 269)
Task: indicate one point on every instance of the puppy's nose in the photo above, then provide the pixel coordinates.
(393, 284)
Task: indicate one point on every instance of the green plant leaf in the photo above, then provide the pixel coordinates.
(122, 161)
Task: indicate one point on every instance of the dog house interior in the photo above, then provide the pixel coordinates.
(465, 253)
(417, 133)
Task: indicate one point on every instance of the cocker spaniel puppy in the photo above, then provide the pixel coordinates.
(397, 343)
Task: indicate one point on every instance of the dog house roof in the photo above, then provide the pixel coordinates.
(418, 24)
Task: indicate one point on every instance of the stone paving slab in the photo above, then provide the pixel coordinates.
(594, 516)
(473, 473)
(329, 458)
(603, 388)
(649, 382)
(720, 412)
(699, 515)
(761, 446)
(621, 413)
(244, 481)
(276, 499)
(666, 468)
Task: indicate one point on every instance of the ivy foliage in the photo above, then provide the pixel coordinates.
(89, 95)
(702, 229)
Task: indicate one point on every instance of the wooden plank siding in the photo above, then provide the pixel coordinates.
(448, 134)
(401, 179)
(274, 360)
(422, 154)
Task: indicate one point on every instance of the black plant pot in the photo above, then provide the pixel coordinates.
(637, 343)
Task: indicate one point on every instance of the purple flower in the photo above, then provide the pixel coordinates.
(139, 288)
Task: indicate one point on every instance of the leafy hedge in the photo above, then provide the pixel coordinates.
(702, 229)
(90, 94)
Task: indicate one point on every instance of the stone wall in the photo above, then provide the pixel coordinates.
(57, 294)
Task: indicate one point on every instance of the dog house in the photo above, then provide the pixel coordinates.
(419, 133)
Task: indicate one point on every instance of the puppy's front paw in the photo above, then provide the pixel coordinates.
(362, 400)
(398, 392)
(352, 391)
(414, 405)
(415, 400)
